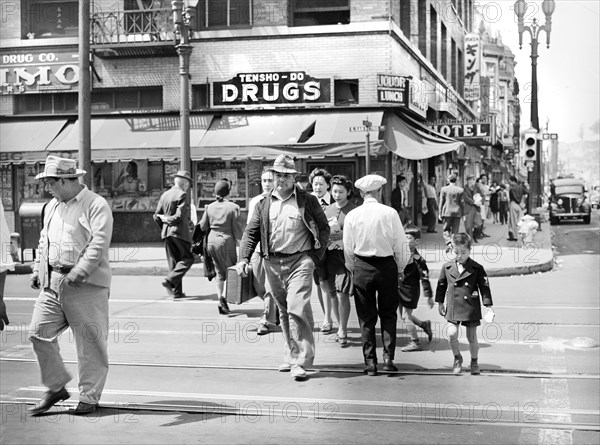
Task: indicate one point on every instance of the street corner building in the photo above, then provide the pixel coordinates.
(417, 88)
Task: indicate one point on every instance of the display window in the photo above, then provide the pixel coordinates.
(209, 172)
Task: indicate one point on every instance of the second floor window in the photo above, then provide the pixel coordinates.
(224, 13)
(49, 19)
(317, 12)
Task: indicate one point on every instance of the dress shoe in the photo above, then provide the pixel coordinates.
(85, 408)
(371, 370)
(511, 239)
(426, 326)
(298, 373)
(389, 366)
(343, 341)
(475, 368)
(49, 399)
(179, 296)
(327, 328)
(412, 346)
(284, 367)
(485, 235)
(223, 306)
(262, 329)
(457, 366)
(169, 287)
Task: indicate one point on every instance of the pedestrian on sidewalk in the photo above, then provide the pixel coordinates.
(375, 249)
(293, 232)
(462, 286)
(471, 209)
(494, 206)
(6, 263)
(73, 274)
(399, 199)
(270, 316)
(503, 204)
(430, 196)
(221, 220)
(339, 279)
(516, 206)
(415, 273)
(320, 180)
(451, 208)
(172, 216)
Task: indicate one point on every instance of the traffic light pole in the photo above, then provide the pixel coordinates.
(534, 177)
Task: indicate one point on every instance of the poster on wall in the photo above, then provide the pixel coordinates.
(6, 180)
(170, 170)
(32, 189)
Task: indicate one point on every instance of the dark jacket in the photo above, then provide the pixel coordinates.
(415, 272)
(174, 204)
(257, 230)
(463, 293)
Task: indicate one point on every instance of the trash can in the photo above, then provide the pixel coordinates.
(30, 217)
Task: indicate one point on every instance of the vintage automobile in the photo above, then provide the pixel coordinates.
(568, 201)
(595, 197)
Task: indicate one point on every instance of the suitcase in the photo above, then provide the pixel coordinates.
(238, 289)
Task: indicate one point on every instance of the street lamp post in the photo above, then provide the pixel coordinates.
(535, 183)
(182, 20)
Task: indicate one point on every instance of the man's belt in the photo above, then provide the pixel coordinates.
(282, 255)
(61, 269)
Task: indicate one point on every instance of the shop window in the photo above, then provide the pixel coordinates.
(147, 98)
(405, 17)
(433, 37)
(346, 91)
(6, 187)
(224, 13)
(422, 12)
(200, 97)
(207, 175)
(54, 103)
(49, 19)
(316, 12)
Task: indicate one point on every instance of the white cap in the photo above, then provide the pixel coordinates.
(370, 182)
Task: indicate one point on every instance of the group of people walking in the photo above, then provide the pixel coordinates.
(293, 240)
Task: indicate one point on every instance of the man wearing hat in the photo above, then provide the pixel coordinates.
(73, 274)
(293, 232)
(451, 208)
(375, 250)
(173, 218)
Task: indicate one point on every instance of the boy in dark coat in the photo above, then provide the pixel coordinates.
(415, 273)
(463, 284)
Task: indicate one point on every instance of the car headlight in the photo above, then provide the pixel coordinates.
(559, 202)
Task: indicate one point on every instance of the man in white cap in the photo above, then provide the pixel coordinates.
(293, 232)
(375, 250)
(172, 216)
(73, 274)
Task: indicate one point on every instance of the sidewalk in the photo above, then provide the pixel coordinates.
(499, 256)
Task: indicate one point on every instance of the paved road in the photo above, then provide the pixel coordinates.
(180, 373)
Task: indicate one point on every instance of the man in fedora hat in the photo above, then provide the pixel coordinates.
(173, 218)
(73, 274)
(451, 208)
(293, 232)
(375, 250)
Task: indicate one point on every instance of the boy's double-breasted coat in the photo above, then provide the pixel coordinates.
(463, 293)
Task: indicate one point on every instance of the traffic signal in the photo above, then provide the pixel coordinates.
(530, 137)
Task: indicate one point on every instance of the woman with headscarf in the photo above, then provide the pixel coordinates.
(222, 218)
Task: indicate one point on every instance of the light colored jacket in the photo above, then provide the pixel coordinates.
(97, 221)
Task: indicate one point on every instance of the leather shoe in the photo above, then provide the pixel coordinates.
(371, 370)
(262, 329)
(298, 373)
(169, 287)
(85, 408)
(457, 366)
(389, 366)
(49, 399)
(284, 367)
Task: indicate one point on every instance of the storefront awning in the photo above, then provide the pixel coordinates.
(264, 136)
(410, 139)
(127, 138)
(26, 140)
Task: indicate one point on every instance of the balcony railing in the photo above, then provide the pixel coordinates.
(132, 27)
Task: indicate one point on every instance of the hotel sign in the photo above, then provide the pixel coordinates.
(38, 70)
(295, 87)
(464, 131)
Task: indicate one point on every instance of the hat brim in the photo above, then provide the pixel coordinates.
(283, 170)
(77, 174)
(185, 177)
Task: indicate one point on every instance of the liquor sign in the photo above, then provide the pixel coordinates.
(403, 91)
(37, 70)
(464, 130)
(472, 67)
(294, 87)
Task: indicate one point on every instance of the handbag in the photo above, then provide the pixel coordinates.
(197, 240)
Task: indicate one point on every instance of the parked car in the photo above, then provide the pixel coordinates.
(595, 197)
(569, 201)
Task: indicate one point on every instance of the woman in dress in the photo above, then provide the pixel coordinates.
(494, 207)
(222, 218)
(338, 277)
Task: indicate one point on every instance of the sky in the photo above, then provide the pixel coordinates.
(568, 71)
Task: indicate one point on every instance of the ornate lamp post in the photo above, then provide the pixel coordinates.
(548, 6)
(182, 20)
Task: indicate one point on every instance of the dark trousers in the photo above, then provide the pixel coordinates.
(450, 226)
(432, 209)
(376, 294)
(180, 259)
